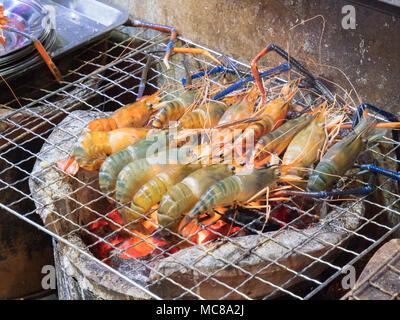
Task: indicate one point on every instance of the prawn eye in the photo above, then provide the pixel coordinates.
(149, 104)
(232, 168)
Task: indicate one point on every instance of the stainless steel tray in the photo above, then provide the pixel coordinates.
(78, 22)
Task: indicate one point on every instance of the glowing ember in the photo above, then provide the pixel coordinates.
(283, 216)
(102, 249)
(134, 245)
(140, 246)
(217, 230)
(98, 224)
(142, 242)
(114, 216)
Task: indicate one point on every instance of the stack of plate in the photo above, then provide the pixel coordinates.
(31, 18)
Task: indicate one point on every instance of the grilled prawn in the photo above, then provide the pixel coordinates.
(173, 109)
(205, 116)
(241, 109)
(112, 166)
(139, 172)
(184, 195)
(272, 116)
(93, 148)
(339, 158)
(152, 192)
(134, 115)
(305, 147)
(275, 142)
(239, 188)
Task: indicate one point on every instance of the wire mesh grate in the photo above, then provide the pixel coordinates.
(107, 75)
(381, 282)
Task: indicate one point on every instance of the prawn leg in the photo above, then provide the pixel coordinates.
(163, 28)
(40, 49)
(319, 86)
(196, 51)
(375, 169)
(240, 83)
(204, 73)
(367, 189)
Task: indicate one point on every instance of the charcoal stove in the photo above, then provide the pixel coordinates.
(240, 266)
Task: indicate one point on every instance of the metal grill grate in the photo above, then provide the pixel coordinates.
(106, 76)
(380, 283)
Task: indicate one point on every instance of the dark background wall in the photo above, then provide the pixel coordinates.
(368, 55)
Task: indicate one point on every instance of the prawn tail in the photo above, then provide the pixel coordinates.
(68, 165)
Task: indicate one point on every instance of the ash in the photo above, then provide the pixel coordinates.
(135, 269)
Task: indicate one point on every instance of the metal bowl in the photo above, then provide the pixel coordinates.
(27, 16)
(29, 59)
(31, 18)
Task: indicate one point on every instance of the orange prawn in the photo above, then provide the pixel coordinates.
(134, 115)
(93, 147)
(272, 116)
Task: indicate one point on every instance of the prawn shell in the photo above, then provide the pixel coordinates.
(338, 159)
(103, 124)
(139, 172)
(184, 195)
(325, 174)
(152, 192)
(239, 110)
(305, 147)
(272, 117)
(170, 111)
(133, 175)
(238, 188)
(93, 147)
(275, 142)
(113, 165)
(173, 110)
(206, 116)
(133, 115)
